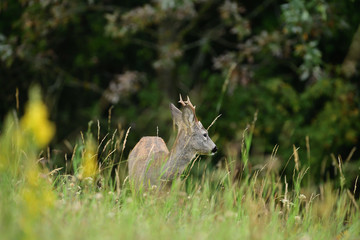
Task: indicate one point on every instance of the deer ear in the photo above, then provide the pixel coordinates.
(188, 116)
(176, 114)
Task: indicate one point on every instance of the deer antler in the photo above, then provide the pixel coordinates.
(181, 101)
(189, 104)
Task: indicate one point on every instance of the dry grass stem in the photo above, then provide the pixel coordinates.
(212, 123)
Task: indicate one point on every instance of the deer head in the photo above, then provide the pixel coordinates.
(196, 135)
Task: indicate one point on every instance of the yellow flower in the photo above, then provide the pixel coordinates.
(33, 177)
(31, 202)
(37, 199)
(36, 121)
(89, 163)
(37, 194)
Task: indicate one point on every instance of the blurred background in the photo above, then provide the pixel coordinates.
(293, 65)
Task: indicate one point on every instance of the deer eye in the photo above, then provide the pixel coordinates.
(205, 135)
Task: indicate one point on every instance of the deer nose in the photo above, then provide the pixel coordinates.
(214, 150)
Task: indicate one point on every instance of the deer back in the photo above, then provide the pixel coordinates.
(146, 159)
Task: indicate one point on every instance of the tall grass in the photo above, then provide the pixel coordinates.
(91, 198)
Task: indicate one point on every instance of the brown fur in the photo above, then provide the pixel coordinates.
(148, 155)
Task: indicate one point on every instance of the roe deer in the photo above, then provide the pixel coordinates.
(151, 163)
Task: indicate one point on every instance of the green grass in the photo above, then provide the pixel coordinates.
(204, 210)
(38, 203)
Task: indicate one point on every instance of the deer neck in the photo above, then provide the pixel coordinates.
(180, 155)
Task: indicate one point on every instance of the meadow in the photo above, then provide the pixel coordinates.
(91, 198)
(108, 71)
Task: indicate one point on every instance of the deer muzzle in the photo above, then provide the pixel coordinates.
(214, 150)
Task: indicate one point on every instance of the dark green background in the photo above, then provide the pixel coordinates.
(289, 58)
